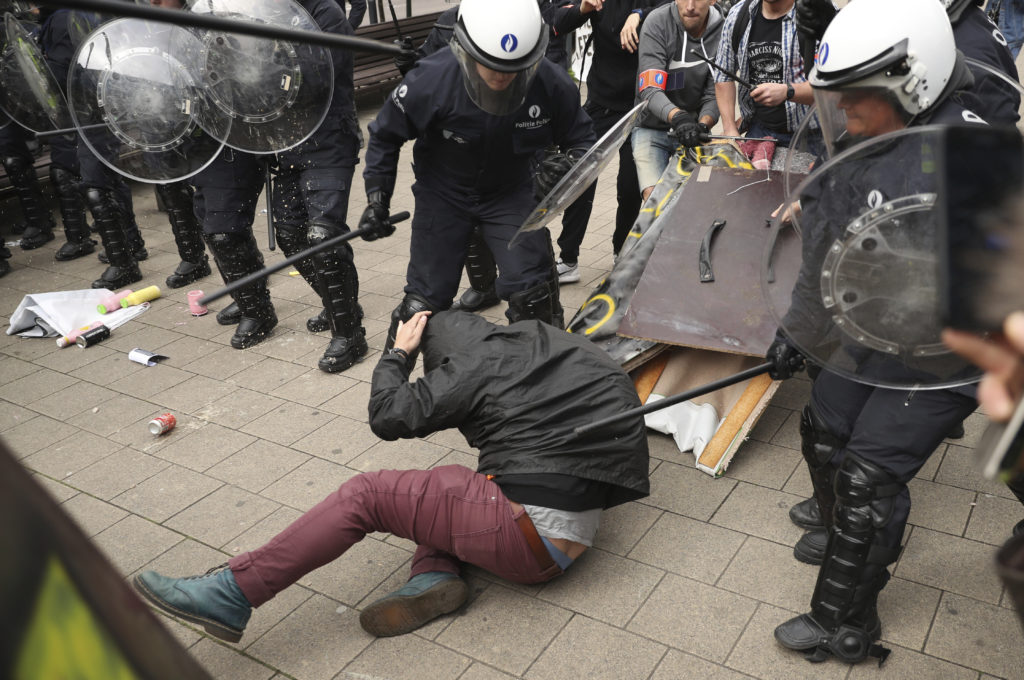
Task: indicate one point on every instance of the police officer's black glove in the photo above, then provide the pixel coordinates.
(375, 218)
(785, 359)
(813, 17)
(688, 133)
(552, 168)
(408, 58)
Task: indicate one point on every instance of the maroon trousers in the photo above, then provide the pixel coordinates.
(452, 513)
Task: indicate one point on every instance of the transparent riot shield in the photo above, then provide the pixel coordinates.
(582, 174)
(866, 301)
(28, 90)
(137, 99)
(275, 93)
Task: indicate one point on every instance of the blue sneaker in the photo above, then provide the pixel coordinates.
(212, 600)
(424, 598)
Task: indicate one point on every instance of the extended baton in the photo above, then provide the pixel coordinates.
(267, 271)
(271, 236)
(120, 8)
(394, 20)
(728, 73)
(752, 372)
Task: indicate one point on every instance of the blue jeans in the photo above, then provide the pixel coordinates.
(757, 130)
(1011, 24)
(652, 150)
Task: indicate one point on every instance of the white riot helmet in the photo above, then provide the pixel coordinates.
(508, 37)
(904, 47)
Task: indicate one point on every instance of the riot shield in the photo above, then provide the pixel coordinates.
(866, 300)
(138, 101)
(28, 90)
(582, 174)
(274, 93)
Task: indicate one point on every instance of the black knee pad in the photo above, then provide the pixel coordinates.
(176, 196)
(865, 495)
(64, 181)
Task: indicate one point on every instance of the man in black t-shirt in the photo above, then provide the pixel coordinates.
(759, 45)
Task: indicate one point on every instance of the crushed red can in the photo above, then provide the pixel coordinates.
(164, 422)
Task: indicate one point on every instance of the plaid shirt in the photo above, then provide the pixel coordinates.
(792, 62)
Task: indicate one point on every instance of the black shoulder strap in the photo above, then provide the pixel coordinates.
(742, 21)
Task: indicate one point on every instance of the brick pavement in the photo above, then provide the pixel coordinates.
(687, 583)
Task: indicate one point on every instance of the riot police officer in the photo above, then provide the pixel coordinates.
(863, 444)
(479, 112)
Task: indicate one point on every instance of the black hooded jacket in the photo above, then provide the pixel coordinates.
(516, 393)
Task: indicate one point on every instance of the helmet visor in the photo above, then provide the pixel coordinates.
(495, 92)
(853, 114)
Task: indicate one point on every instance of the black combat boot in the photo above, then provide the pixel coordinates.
(72, 213)
(5, 266)
(123, 270)
(482, 273)
(188, 236)
(22, 174)
(843, 621)
(337, 278)
(230, 315)
(237, 255)
(537, 302)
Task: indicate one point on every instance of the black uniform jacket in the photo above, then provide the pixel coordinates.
(461, 152)
(516, 393)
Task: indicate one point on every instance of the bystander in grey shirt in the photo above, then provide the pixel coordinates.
(669, 76)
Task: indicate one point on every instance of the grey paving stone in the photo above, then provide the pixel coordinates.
(951, 563)
(792, 394)
(239, 408)
(907, 610)
(407, 657)
(268, 615)
(12, 415)
(763, 464)
(290, 345)
(204, 447)
(184, 349)
(70, 455)
(594, 650)
(58, 490)
(166, 493)
(505, 629)
(759, 655)
(187, 558)
(352, 403)
(714, 618)
(992, 519)
(192, 394)
(107, 370)
(760, 512)
(151, 383)
(314, 642)
(268, 375)
(788, 434)
(72, 400)
(308, 484)
(224, 663)
(151, 338)
(939, 507)
(71, 358)
(603, 586)
(677, 665)
(222, 515)
(258, 465)
(769, 423)
(133, 542)
(137, 435)
(288, 423)
(115, 415)
(404, 454)
(339, 441)
(43, 382)
(262, 531)
(687, 491)
(12, 369)
(960, 469)
(979, 635)
(314, 387)
(116, 473)
(623, 526)
(36, 433)
(687, 547)
(223, 363)
(92, 514)
(768, 572)
(27, 349)
(354, 575)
